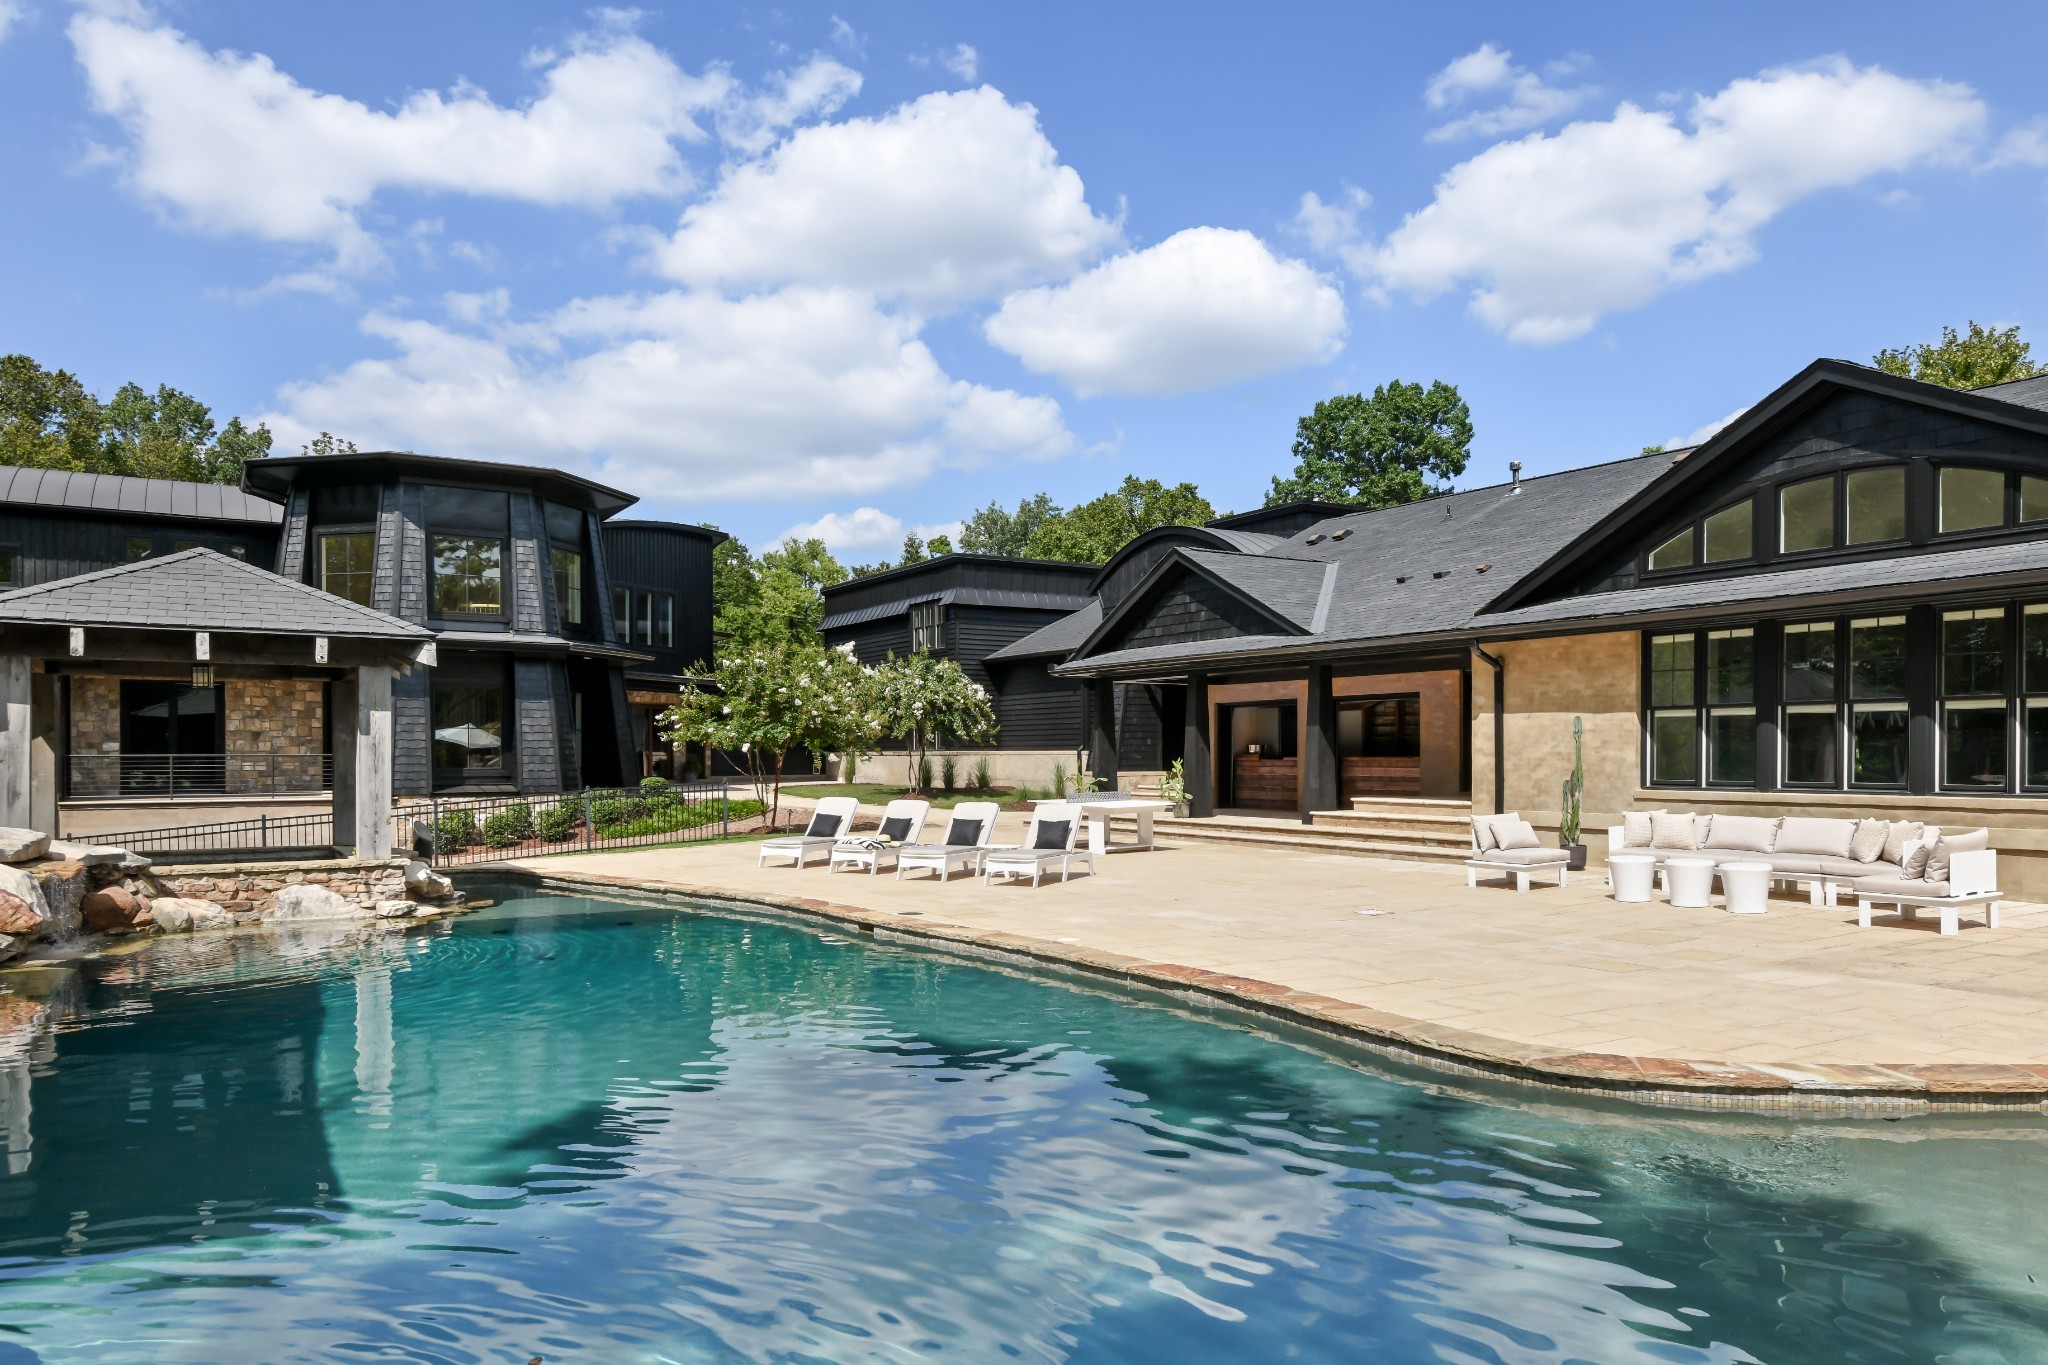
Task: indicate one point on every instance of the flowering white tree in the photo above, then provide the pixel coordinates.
(923, 699)
(763, 701)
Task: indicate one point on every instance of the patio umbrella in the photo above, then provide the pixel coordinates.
(469, 737)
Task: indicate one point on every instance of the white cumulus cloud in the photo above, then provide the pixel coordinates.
(865, 531)
(816, 89)
(800, 392)
(11, 12)
(1526, 99)
(953, 196)
(1207, 306)
(1553, 231)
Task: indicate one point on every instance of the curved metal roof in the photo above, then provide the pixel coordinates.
(74, 490)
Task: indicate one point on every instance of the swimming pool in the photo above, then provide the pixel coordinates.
(592, 1131)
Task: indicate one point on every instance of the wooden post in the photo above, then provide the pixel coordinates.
(1319, 760)
(362, 762)
(17, 801)
(50, 749)
(1102, 755)
(1195, 765)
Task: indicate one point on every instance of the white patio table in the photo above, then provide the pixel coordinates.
(1632, 875)
(1747, 887)
(1098, 809)
(1690, 882)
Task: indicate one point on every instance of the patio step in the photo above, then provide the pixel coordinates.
(1291, 834)
(1459, 808)
(1450, 831)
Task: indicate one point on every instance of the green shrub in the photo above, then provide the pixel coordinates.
(849, 763)
(1059, 780)
(649, 782)
(454, 831)
(949, 772)
(680, 818)
(512, 825)
(558, 822)
(924, 773)
(981, 781)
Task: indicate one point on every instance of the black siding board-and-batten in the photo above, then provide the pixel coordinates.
(676, 560)
(50, 546)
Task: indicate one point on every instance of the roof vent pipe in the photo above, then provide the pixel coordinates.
(1515, 475)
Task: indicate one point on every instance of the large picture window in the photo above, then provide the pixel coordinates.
(468, 576)
(1806, 515)
(568, 575)
(1812, 722)
(1974, 715)
(1876, 505)
(348, 564)
(469, 729)
(1674, 709)
(1971, 499)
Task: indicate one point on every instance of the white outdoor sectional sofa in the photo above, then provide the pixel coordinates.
(1899, 862)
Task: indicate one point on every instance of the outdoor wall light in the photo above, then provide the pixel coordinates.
(202, 675)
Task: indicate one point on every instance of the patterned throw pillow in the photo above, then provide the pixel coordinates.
(1897, 835)
(1673, 831)
(1869, 840)
(1513, 833)
(1951, 844)
(1635, 828)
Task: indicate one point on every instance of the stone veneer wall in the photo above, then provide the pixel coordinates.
(95, 729)
(1597, 678)
(247, 890)
(277, 716)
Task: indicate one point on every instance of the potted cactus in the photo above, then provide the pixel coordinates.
(1568, 819)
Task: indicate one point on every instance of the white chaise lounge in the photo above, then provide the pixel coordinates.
(902, 823)
(832, 818)
(1507, 846)
(1049, 840)
(968, 833)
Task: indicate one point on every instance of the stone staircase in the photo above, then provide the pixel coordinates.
(1374, 827)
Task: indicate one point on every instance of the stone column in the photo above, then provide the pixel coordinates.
(1102, 755)
(1319, 760)
(362, 762)
(1195, 751)
(17, 764)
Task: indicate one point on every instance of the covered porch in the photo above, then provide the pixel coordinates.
(195, 690)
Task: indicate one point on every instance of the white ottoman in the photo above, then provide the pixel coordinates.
(1633, 875)
(1691, 881)
(1747, 887)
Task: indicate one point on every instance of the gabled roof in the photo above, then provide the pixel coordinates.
(1296, 589)
(1704, 463)
(1056, 639)
(200, 590)
(1417, 572)
(74, 491)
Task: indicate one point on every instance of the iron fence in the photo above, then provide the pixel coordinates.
(133, 774)
(451, 830)
(267, 836)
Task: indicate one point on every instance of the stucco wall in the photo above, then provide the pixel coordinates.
(1549, 682)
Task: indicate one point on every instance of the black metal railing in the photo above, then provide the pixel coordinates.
(129, 774)
(267, 836)
(449, 830)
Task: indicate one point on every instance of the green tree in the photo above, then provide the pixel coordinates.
(1400, 445)
(925, 700)
(767, 698)
(326, 443)
(48, 420)
(993, 531)
(1987, 355)
(232, 449)
(161, 435)
(938, 546)
(771, 599)
(913, 549)
(1094, 531)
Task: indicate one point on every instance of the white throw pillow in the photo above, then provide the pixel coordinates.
(1673, 830)
(1869, 840)
(1741, 833)
(1951, 844)
(1635, 828)
(1482, 833)
(1821, 838)
(1512, 833)
(1915, 863)
(1898, 836)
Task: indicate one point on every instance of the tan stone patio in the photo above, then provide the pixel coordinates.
(1562, 984)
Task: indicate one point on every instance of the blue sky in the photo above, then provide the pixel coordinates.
(865, 268)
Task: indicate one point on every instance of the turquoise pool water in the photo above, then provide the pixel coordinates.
(594, 1132)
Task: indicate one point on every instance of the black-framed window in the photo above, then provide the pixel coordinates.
(643, 618)
(568, 576)
(469, 576)
(622, 615)
(1806, 515)
(665, 620)
(469, 728)
(1975, 716)
(1809, 688)
(927, 627)
(140, 547)
(9, 574)
(1724, 536)
(347, 561)
(1874, 501)
(1969, 498)
(1674, 688)
(1731, 707)
(2034, 696)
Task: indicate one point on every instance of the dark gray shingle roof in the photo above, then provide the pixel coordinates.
(1290, 588)
(1945, 567)
(2027, 393)
(966, 597)
(1414, 570)
(1056, 639)
(75, 491)
(200, 590)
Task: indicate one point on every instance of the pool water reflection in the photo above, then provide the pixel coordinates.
(592, 1131)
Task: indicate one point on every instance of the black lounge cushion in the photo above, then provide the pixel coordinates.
(963, 833)
(822, 826)
(896, 828)
(1052, 834)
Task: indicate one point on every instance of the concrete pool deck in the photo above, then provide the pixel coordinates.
(1794, 1009)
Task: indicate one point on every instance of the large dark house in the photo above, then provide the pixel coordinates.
(548, 661)
(968, 608)
(1837, 605)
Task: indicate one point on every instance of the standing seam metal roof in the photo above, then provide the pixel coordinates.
(74, 490)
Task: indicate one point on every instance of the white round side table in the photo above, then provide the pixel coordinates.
(1633, 875)
(1691, 881)
(1747, 887)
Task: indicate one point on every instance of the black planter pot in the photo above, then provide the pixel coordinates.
(1578, 852)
